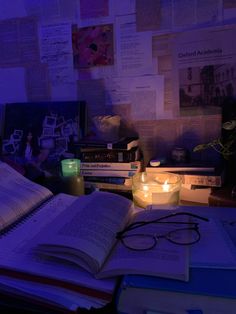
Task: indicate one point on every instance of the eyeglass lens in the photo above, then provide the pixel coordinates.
(185, 236)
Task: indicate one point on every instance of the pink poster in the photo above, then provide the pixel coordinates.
(93, 46)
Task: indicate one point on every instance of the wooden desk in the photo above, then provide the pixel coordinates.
(223, 196)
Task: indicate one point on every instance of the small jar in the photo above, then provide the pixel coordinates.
(156, 189)
(179, 154)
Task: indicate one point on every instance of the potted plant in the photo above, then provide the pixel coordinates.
(226, 146)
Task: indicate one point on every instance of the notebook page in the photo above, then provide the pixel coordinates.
(15, 252)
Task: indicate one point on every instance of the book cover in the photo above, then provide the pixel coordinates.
(124, 143)
(208, 291)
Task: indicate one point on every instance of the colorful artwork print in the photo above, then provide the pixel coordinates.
(43, 133)
(93, 46)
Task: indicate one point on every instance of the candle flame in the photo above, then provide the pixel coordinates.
(166, 186)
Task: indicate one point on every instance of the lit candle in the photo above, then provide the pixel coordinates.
(160, 189)
(70, 167)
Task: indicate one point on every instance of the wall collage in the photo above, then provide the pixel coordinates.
(167, 67)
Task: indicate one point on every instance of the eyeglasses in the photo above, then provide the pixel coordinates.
(186, 233)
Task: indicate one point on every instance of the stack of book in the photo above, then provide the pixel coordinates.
(198, 179)
(109, 166)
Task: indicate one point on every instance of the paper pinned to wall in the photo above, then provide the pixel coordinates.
(19, 42)
(203, 71)
(147, 97)
(37, 83)
(56, 52)
(133, 49)
(144, 93)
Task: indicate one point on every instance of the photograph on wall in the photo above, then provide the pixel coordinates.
(43, 133)
(93, 46)
(207, 89)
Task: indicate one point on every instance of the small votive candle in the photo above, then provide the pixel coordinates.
(70, 167)
(155, 188)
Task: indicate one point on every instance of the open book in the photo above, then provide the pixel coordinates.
(71, 233)
(85, 234)
(25, 209)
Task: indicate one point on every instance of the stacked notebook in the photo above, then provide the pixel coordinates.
(109, 165)
(198, 178)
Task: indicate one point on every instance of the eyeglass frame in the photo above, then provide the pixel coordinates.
(120, 235)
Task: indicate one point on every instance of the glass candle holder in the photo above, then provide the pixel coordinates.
(70, 167)
(155, 188)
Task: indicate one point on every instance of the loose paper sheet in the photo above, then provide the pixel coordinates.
(56, 52)
(133, 49)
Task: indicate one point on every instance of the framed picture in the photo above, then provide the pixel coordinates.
(43, 133)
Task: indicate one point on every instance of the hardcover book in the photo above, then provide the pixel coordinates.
(183, 167)
(108, 173)
(109, 155)
(124, 143)
(214, 178)
(208, 291)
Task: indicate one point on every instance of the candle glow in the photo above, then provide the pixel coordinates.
(70, 167)
(162, 188)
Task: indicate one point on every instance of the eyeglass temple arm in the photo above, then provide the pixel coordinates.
(183, 213)
(142, 223)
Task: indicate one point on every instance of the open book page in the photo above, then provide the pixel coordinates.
(165, 259)
(217, 246)
(16, 254)
(85, 232)
(216, 249)
(18, 195)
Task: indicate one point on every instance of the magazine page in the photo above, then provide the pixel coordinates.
(85, 233)
(18, 195)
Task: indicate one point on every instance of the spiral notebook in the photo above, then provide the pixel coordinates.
(27, 207)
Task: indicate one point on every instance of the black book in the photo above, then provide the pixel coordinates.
(109, 155)
(124, 143)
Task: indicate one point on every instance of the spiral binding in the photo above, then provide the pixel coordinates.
(22, 219)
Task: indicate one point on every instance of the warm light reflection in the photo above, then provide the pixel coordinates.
(162, 188)
(166, 186)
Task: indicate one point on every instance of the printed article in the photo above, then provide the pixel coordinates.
(204, 70)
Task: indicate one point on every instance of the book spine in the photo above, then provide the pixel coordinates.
(108, 173)
(107, 186)
(109, 156)
(202, 180)
(110, 166)
(179, 169)
(113, 180)
(128, 146)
